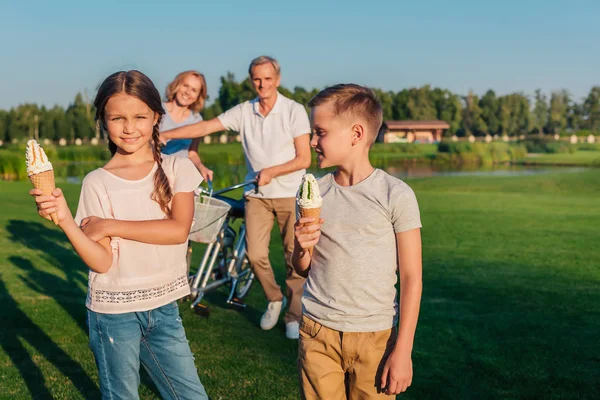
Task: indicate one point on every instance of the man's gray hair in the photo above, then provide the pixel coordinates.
(264, 60)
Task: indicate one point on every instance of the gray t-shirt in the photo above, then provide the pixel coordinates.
(350, 286)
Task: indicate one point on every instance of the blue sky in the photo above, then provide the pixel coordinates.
(53, 49)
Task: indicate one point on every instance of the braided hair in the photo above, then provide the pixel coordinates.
(137, 84)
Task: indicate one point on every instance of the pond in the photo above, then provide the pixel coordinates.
(226, 174)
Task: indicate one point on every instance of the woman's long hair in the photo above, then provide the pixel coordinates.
(136, 84)
(172, 88)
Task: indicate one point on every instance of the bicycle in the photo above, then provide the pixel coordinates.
(225, 260)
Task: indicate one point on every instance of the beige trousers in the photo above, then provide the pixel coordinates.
(260, 216)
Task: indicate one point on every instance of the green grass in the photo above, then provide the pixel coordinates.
(511, 306)
(578, 158)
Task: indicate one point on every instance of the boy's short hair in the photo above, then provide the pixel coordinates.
(355, 101)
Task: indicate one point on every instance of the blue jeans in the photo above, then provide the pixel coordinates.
(155, 338)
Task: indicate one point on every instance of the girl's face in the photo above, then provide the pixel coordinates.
(129, 122)
(188, 91)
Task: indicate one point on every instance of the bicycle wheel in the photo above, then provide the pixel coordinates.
(245, 277)
(225, 254)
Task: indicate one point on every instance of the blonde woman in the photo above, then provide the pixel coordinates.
(185, 97)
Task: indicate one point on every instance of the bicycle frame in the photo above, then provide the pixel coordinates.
(200, 284)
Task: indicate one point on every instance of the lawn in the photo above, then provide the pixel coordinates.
(511, 302)
(578, 158)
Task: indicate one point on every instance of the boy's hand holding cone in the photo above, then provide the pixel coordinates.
(40, 171)
(309, 200)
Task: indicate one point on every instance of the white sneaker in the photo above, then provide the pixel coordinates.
(271, 315)
(292, 330)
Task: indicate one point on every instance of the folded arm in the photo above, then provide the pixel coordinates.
(168, 231)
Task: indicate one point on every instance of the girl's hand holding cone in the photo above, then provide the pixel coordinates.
(51, 204)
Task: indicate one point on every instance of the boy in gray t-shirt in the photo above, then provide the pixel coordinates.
(368, 232)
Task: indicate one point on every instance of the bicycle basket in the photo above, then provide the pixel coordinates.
(209, 216)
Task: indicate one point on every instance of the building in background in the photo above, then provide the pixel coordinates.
(412, 131)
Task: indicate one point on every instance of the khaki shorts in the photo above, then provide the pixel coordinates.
(342, 365)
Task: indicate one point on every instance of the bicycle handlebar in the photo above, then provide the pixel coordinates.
(230, 188)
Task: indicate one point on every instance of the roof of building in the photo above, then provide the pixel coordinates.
(413, 125)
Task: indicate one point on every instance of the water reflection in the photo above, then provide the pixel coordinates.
(227, 175)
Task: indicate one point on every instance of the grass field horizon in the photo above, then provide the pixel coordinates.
(510, 309)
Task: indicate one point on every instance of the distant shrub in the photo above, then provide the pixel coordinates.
(83, 153)
(479, 153)
(404, 148)
(589, 146)
(546, 145)
(12, 165)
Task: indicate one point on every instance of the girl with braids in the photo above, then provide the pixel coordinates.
(185, 96)
(135, 215)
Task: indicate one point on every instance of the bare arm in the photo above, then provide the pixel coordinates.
(173, 230)
(411, 285)
(194, 156)
(96, 255)
(398, 372)
(301, 161)
(197, 130)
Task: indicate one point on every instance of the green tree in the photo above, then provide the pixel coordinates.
(489, 112)
(540, 112)
(420, 104)
(387, 103)
(79, 114)
(233, 93)
(3, 125)
(591, 109)
(448, 108)
(576, 118)
(46, 124)
(473, 123)
(557, 116)
(23, 121)
(400, 106)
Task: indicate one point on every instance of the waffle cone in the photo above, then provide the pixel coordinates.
(310, 213)
(45, 182)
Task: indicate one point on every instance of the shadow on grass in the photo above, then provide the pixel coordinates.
(22, 328)
(68, 291)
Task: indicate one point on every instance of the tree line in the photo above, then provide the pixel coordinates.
(513, 114)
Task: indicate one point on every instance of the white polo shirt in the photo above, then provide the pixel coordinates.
(269, 141)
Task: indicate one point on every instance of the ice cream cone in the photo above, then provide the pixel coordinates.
(40, 171)
(45, 182)
(309, 200)
(310, 213)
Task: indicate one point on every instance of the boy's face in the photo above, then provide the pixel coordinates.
(333, 136)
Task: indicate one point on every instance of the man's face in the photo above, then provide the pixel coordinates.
(265, 80)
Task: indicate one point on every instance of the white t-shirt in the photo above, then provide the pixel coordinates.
(142, 276)
(269, 141)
